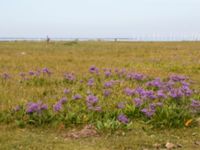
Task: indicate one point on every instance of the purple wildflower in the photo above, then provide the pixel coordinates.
(176, 93)
(69, 76)
(91, 99)
(46, 71)
(120, 73)
(77, 96)
(161, 94)
(129, 92)
(195, 104)
(57, 107)
(135, 76)
(140, 91)
(63, 100)
(150, 95)
(31, 73)
(123, 119)
(149, 112)
(177, 78)
(155, 83)
(90, 82)
(91, 102)
(93, 69)
(138, 102)
(154, 105)
(36, 107)
(106, 93)
(107, 72)
(108, 84)
(186, 90)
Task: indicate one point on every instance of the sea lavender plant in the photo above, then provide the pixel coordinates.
(90, 82)
(93, 69)
(108, 84)
(123, 119)
(149, 112)
(69, 77)
(37, 107)
(106, 93)
(138, 102)
(46, 71)
(76, 97)
(129, 92)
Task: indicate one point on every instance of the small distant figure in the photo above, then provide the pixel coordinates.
(48, 39)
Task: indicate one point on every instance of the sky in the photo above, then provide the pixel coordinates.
(99, 18)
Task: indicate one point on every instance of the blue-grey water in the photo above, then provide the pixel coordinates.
(189, 38)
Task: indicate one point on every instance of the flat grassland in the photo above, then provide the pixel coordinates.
(156, 59)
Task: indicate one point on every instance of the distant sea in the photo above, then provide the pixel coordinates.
(103, 39)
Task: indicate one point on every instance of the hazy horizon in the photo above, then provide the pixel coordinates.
(100, 19)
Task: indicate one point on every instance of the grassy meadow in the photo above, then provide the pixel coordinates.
(154, 59)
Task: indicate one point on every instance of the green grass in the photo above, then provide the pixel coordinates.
(153, 59)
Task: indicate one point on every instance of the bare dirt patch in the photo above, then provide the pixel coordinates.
(86, 131)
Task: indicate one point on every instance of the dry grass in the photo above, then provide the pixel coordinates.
(154, 59)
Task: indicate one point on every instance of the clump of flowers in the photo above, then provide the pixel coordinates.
(123, 119)
(77, 97)
(114, 97)
(58, 106)
(69, 77)
(36, 107)
(91, 102)
(93, 69)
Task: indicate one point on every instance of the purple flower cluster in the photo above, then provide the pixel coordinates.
(107, 72)
(46, 71)
(136, 76)
(129, 92)
(138, 102)
(69, 77)
(148, 97)
(58, 106)
(195, 104)
(155, 83)
(149, 112)
(91, 102)
(123, 119)
(76, 97)
(177, 78)
(108, 84)
(37, 107)
(161, 94)
(90, 82)
(106, 93)
(93, 69)
(120, 73)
